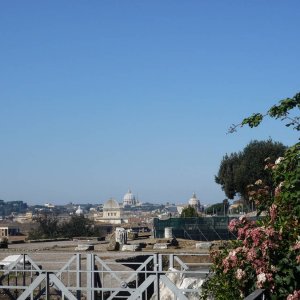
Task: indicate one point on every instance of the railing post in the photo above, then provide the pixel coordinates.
(171, 261)
(24, 274)
(160, 262)
(156, 272)
(90, 266)
(78, 275)
(47, 286)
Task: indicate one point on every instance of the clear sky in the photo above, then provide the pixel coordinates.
(100, 96)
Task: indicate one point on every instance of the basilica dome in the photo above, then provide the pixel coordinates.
(129, 199)
(194, 201)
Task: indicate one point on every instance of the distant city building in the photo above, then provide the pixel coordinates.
(194, 202)
(12, 207)
(237, 207)
(112, 213)
(23, 218)
(12, 233)
(6, 231)
(79, 211)
(180, 208)
(129, 199)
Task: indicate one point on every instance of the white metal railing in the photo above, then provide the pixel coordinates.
(71, 276)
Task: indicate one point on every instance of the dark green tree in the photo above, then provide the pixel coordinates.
(226, 175)
(47, 227)
(189, 212)
(238, 170)
(77, 226)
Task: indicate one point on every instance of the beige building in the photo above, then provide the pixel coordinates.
(112, 213)
(23, 218)
(7, 231)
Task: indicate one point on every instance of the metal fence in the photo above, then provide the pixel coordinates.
(200, 229)
(109, 276)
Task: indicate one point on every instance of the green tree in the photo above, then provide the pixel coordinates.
(238, 170)
(189, 212)
(47, 227)
(226, 175)
(77, 226)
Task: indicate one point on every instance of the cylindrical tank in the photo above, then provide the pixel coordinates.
(168, 233)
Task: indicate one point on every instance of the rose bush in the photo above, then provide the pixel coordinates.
(266, 253)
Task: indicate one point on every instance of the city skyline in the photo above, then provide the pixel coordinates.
(120, 200)
(100, 97)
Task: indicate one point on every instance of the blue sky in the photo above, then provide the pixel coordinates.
(100, 96)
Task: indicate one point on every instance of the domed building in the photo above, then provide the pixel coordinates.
(194, 202)
(79, 211)
(129, 199)
(112, 213)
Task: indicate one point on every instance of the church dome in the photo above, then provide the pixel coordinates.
(129, 199)
(111, 204)
(79, 211)
(194, 201)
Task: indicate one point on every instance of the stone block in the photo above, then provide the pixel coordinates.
(113, 246)
(160, 246)
(134, 247)
(203, 245)
(84, 247)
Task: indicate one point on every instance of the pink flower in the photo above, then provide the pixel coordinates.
(296, 246)
(240, 274)
(233, 224)
(256, 236)
(273, 212)
(239, 249)
(243, 219)
(241, 233)
(269, 277)
(226, 265)
(231, 260)
(270, 232)
(294, 296)
(259, 263)
(261, 279)
(251, 254)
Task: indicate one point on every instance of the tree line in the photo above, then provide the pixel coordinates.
(49, 226)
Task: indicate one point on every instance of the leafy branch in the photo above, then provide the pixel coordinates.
(279, 111)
